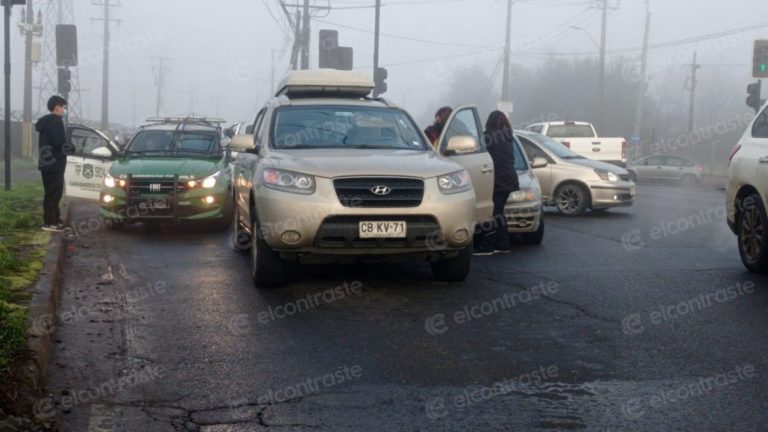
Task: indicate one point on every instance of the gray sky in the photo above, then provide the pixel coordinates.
(221, 49)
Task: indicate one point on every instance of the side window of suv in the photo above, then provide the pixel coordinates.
(760, 128)
(258, 126)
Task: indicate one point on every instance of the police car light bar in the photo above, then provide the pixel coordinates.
(326, 82)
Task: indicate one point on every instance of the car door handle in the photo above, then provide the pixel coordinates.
(658, 167)
(763, 160)
(487, 169)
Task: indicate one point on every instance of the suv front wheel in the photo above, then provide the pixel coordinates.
(267, 268)
(454, 269)
(752, 234)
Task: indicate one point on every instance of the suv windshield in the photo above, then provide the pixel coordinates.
(176, 142)
(345, 127)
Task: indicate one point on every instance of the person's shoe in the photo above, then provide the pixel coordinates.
(483, 251)
(502, 250)
(63, 227)
(54, 228)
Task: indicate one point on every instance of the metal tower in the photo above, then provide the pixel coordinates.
(57, 12)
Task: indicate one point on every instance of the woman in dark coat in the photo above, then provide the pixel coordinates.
(500, 143)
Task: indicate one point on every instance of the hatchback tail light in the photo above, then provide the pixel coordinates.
(623, 150)
(733, 152)
(699, 168)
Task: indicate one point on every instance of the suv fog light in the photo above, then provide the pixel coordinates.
(108, 198)
(291, 237)
(208, 200)
(461, 235)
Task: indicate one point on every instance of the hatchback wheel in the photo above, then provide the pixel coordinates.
(572, 199)
(752, 234)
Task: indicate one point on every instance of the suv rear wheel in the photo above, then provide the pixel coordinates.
(454, 269)
(752, 234)
(267, 268)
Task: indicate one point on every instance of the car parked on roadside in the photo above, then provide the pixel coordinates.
(331, 175)
(524, 209)
(573, 183)
(173, 170)
(747, 194)
(663, 168)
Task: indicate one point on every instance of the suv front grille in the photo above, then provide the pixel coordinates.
(358, 192)
(343, 232)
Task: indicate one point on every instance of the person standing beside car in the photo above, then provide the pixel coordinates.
(52, 161)
(499, 140)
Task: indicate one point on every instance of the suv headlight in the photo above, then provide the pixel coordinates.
(206, 183)
(455, 183)
(112, 182)
(523, 195)
(607, 175)
(288, 181)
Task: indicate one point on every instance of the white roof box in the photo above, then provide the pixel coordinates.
(326, 82)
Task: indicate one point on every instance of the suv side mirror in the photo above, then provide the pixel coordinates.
(242, 143)
(539, 162)
(102, 152)
(461, 145)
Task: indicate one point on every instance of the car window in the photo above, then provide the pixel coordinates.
(556, 147)
(84, 141)
(521, 163)
(676, 162)
(760, 128)
(656, 160)
(570, 131)
(345, 127)
(531, 150)
(462, 124)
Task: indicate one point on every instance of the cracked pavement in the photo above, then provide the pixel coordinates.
(161, 330)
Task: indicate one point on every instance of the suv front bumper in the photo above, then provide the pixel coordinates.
(320, 224)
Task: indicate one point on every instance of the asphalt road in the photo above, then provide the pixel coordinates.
(638, 319)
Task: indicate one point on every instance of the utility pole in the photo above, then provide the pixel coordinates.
(159, 68)
(305, 37)
(29, 29)
(505, 87)
(105, 68)
(272, 71)
(376, 40)
(694, 67)
(7, 6)
(641, 86)
(601, 79)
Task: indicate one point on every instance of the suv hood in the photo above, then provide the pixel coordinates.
(588, 163)
(332, 163)
(165, 167)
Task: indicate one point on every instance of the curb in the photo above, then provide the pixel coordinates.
(41, 319)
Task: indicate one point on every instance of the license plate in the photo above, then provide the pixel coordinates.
(391, 229)
(156, 204)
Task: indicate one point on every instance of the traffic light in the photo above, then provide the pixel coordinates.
(65, 84)
(380, 78)
(760, 60)
(753, 100)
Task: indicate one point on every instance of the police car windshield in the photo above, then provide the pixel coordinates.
(174, 143)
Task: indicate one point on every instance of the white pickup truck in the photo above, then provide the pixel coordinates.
(582, 139)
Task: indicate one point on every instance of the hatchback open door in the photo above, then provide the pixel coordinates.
(89, 157)
(462, 141)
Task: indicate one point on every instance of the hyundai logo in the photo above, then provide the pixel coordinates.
(381, 190)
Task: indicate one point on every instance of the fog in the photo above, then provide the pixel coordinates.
(221, 51)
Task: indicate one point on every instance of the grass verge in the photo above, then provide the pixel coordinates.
(22, 248)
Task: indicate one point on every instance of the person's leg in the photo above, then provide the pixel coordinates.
(501, 237)
(59, 194)
(49, 213)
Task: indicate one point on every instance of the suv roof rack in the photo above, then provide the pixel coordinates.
(325, 83)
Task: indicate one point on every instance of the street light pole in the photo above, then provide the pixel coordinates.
(7, 6)
(601, 80)
(376, 37)
(505, 87)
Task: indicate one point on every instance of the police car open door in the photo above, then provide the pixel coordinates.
(90, 154)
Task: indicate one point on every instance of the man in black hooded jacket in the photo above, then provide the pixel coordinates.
(52, 161)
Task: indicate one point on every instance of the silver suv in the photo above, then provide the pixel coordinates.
(330, 175)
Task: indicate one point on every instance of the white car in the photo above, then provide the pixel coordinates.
(524, 209)
(747, 194)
